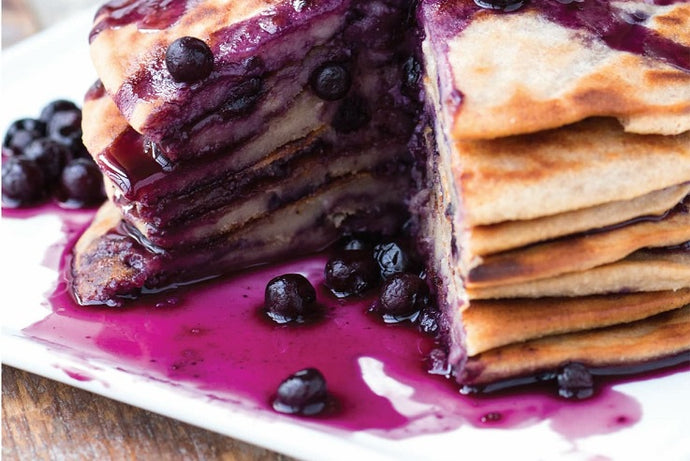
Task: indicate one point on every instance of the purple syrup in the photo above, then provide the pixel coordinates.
(212, 338)
(78, 375)
(125, 163)
(146, 14)
(617, 29)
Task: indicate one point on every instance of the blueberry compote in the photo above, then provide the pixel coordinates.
(207, 341)
(603, 19)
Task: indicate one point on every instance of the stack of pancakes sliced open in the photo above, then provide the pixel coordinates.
(550, 191)
(561, 183)
(252, 163)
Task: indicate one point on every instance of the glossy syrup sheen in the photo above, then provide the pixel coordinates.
(620, 30)
(213, 338)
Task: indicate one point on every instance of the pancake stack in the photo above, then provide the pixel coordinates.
(549, 182)
(297, 135)
(560, 185)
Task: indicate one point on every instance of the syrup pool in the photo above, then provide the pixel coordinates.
(212, 340)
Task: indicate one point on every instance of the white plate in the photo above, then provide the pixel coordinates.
(56, 64)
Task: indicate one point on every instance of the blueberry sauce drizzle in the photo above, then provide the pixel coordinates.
(146, 14)
(209, 340)
(234, 47)
(616, 28)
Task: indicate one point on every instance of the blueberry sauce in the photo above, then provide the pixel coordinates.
(616, 28)
(78, 375)
(231, 46)
(208, 339)
(146, 14)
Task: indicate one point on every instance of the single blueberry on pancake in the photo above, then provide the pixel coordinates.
(331, 81)
(189, 59)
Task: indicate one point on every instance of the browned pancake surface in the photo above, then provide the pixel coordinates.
(574, 167)
(545, 75)
(496, 323)
(578, 253)
(660, 336)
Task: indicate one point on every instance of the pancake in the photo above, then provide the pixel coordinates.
(579, 252)
(639, 272)
(112, 262)
(483, 240)
(496, 323)
(551, 172)
(559, 63)
(616, 347)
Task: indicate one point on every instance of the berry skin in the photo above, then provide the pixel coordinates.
(189, 60)
(412, 73)
(23, 182)
(503, 5)
(81, 183)
(331, 81)
(65, 127)
(302, 393)
(575, 382)
(391, 258)
(289, 298)
(21, 133)
(402, 297)
(351, 273)
(50, 156)
(58, 105)
(355, 243)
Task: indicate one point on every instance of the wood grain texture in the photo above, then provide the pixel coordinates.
(46, 420)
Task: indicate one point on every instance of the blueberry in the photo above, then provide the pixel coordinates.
(23, 182)
(391, 259)
(81, 183)
(289, 298)
(428, 322)
(331, 81)
(437, 363)
(503, 5)
(243, 98)
(21, 133)
(59, 105)
(50, 155)
(189, 60)
(575, 381)
(402, 297)
(412, 73)
(302, 393)
(357, 241)
(351, 273)
(351, 115)
(65, 127)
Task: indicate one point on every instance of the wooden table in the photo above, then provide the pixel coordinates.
(47, 420)
(43, 419)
